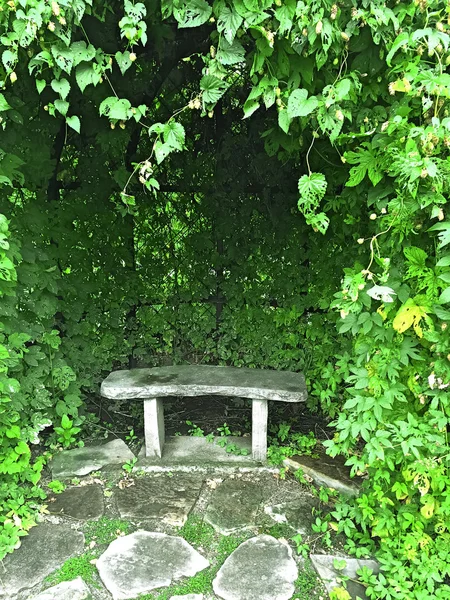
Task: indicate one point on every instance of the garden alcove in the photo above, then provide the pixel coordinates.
(247, 182)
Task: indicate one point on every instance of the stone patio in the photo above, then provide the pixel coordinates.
(151, 507)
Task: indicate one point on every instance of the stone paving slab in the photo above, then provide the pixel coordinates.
(323, 563)
(197, 453)
(82, 461)
(327, 471)
(234, 505)
(143, 561)
(262, 568)
(83, 503)
(67, 590)
(296, 513)
(169, 499)
(43, 551)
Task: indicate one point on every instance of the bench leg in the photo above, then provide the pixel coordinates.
(259, 430)
(154, 427)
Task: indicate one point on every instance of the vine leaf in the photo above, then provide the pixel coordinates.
(312, 189)
(444, 236)
(61, 87)
(213, 88)
(74, 122)
(299, 105)
(228, 23)
(230, 54)
(192, 13)
(174, 135)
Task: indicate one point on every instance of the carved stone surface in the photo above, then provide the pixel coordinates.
(262, 568)
(83, 503)
(234, 505)
(169, 499)
(67, 590)
(144, 561)
(201, 380)
(323, 563)
(43, 551)
(81, 461)
(327, 471)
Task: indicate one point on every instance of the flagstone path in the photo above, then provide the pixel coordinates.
(116, 536)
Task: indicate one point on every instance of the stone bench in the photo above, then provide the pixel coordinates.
(152, 385)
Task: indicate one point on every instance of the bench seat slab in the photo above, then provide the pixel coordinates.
(201, 380)
(154, 426)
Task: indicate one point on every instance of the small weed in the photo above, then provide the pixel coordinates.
(129, 465)
(302, 547)
(77, 566)
(308, 585)
(194, 430)
(197, 532)
(57, 486)
(131, 437)
(279, 530)
(105, 530)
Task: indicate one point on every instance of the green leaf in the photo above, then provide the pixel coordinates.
(284, 120)
(213, 88)
(192, 13)
(61, 87)
(250, 107)
(62, 106)
(63, 57)
(228, 23)
(40, 85)
(9, 59)
(74, 122)
(444, 298)
(444, 236)
(85, 74)
(312, 188)
(123, 60)
(3, 103)
(174, 135)
(161, 151)
(299, 105)
(230, 54)
(399, 42)
(444, 261)
(81, 52)
(441, 313)
(115, 108)
(342, 90)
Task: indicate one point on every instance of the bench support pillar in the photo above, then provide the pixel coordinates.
(154, 426)
(259, 429)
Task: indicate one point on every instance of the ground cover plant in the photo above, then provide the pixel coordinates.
(249, 182)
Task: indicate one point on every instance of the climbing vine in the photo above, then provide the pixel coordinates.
(250, 182)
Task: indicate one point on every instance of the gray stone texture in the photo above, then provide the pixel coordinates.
(165, 498)
(201, 380)
(67, 590)
(81, 461)
(259, 430)
(296, 513)
(327, 471)
(43, 551)
(198, 453)
(234, 505)
(323, 563)
(262, 568)
(155, 435)
(144, 561)
(83, 503)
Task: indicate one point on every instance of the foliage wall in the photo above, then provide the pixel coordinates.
(251, 182)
